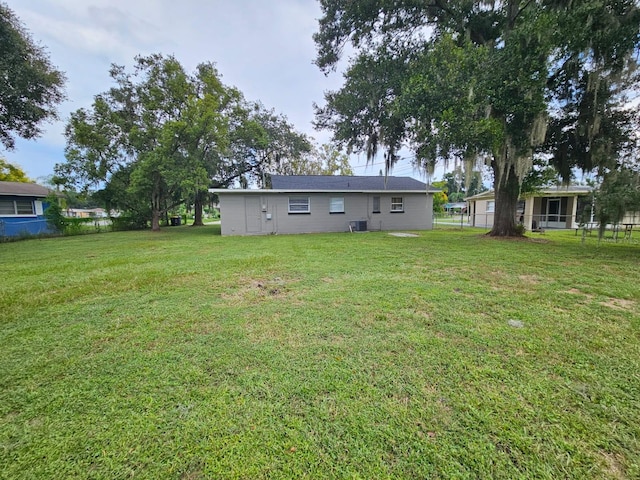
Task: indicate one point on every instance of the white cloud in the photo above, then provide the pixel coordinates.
(101, 31)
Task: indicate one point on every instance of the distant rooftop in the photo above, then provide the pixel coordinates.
(543, 192)
(23, 189)
(345, 183)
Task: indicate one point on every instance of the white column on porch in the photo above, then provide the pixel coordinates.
(571, 221)
(528, 212)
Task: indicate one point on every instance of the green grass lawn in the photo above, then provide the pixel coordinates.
(189, 355)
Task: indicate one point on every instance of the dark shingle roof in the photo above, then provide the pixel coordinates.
(23, 189)
(345, 183)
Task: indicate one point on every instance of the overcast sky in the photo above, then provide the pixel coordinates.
(263, 47)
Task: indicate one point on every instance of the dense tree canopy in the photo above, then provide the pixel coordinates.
(161, 137)
(30, 87)
(319, 160)
(271, 146)
(483, 81)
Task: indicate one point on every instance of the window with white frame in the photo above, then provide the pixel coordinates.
(16, 207)
(24, 207)
(299, 205)
(336, 205)
(397, 205)
(491, 206)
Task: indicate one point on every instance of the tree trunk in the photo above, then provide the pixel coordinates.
(197, 210)
(155, 220)
(156, 210)
(507, 190)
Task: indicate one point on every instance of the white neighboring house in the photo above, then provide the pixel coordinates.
(327, 203)
(85, 213)
(550, 208)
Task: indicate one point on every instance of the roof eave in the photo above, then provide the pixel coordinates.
(37, 195)
(297, 190)
(540, 193)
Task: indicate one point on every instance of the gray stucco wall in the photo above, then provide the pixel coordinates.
(262, 213)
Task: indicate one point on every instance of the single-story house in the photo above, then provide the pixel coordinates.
(85, 213)
(327, 203)
(556, 207)
(455, 207)
(22, 207)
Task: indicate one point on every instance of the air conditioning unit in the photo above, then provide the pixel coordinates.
(359, 226)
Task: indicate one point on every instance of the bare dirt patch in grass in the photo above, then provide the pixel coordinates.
(10, 417)
(255, 289)
(575, 291)
(613, 303)
(272, 288)
(619, 304)
(530, 279)
(613, 465)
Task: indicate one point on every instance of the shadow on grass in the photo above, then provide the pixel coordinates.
(190, 230)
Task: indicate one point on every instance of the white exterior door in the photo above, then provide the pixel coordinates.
(253, 214)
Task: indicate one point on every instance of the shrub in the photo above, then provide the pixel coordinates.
(128, 222)
(53, 214)
(74, 226)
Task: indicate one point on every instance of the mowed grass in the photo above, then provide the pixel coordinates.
(188, 355)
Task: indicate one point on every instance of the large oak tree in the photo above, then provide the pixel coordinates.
(161, 137)
(496, 81)
(128, 142)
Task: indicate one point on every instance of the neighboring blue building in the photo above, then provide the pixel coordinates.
(22, 207)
